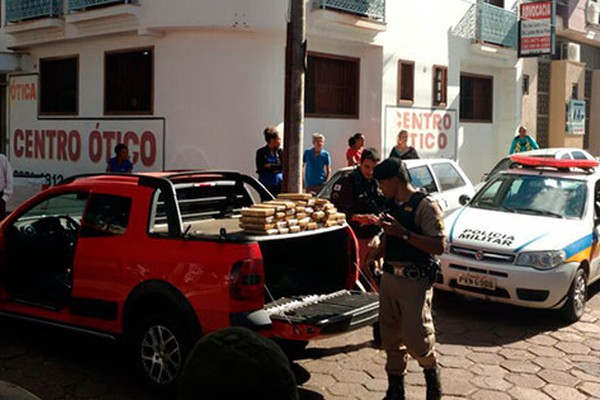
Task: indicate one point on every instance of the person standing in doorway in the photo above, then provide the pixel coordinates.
(414, 234)
(269, 161)
(523, 142)
(6, 184)
(120, 162)
(356, 145)
(402, 150)
(317, 165)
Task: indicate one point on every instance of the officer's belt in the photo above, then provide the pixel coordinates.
(404, 270)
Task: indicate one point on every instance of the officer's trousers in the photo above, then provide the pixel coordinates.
(406, 322)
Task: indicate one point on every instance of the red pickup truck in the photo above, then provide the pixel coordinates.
(159, 259)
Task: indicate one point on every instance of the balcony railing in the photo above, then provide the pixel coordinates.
(486, 23)
(374, 9)
(21, 10)
(76, 5)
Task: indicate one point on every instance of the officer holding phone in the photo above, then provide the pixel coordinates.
(414, 233)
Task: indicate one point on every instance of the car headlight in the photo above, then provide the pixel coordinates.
(541, 259)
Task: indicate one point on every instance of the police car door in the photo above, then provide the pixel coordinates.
(595, 254)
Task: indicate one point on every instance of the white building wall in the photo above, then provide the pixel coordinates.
(219, 76)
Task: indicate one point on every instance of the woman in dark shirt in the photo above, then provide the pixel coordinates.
(402, 150)
(269, 161)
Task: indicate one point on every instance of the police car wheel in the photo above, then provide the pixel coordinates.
(575, 305)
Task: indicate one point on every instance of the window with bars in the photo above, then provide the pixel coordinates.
(440, 85)
(406, 81)
(128, 82)
(59, 86)
(476, 94)
(332, 86)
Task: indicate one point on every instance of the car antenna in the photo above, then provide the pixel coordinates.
(187, 231)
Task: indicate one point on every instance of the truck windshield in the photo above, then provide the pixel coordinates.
(533, 194)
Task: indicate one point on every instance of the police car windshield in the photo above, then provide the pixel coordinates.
(533, 195)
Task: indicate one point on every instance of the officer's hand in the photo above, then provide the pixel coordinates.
(391, 226)
(366, 219)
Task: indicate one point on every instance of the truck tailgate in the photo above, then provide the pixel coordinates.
(305, 317)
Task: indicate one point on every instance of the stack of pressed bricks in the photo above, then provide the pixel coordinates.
(290, 213)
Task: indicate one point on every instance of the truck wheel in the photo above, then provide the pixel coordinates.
(575, 305)
(160, 346)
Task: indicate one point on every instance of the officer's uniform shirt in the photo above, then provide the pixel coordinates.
(354, 194)
(427, 219)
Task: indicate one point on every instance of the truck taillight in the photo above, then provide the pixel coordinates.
(247, 279)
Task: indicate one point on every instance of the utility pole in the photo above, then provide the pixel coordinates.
(295, 68)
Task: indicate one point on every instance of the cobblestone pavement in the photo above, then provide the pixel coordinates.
(487, 351)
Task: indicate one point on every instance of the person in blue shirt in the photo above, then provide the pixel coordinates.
(120, 162)
(269, 161)
(317, 165)
(523, 142)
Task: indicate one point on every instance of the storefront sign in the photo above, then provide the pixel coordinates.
(576, 117)
(536, 29)
(431, 131)
(60, 147)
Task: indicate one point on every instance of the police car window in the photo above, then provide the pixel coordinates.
(534, 195)
(578, 155)
(420, 177)
(106, 215)
(447, 176)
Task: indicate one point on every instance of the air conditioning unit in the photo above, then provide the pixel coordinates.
(592, 12)
(573, 52)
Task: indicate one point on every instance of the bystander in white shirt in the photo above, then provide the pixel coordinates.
(6, 178)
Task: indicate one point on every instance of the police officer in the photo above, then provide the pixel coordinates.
(357, 195)
(414, 233)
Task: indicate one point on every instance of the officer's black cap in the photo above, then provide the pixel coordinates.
(391, 167)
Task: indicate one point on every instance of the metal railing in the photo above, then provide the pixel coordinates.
(486, 23)
(21, 10)
(76, 5)
(374, 9)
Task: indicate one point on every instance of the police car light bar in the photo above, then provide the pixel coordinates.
(532, 161)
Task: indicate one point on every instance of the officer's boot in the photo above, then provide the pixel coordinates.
(434, 384)
(395, 388)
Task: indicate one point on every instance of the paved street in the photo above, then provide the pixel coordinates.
(487, 352)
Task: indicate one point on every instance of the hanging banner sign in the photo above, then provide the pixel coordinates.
(536, 28)
(431, 131)
(60, 147)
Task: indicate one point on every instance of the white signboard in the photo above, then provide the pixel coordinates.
(536, 29)
(60, 147)
(431, 131)
(576, 117)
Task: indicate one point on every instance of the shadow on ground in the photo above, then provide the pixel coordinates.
(472, 322)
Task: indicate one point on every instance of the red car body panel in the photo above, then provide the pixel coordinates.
(108, 269)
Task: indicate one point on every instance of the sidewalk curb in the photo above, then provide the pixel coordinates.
(10, 391)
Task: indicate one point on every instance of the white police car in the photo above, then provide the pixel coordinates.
(529, 237)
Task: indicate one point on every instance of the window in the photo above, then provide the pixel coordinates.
(106, 215)
(447, 176)
(525, 84)
(497, 3)
(420, 177)
(332, 86)
(440, 85)
(59, 85)
(406, 81)
(128, 82)
(476, 93)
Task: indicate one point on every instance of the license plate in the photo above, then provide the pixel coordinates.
(480, 282)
